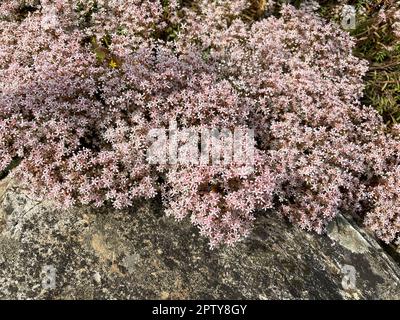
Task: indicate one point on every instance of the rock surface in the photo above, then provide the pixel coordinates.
(46, 253)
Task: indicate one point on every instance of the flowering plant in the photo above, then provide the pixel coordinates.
(82, 83)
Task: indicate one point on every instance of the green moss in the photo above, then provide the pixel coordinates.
(376, 43)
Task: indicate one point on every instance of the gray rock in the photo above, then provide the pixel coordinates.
(47, 253)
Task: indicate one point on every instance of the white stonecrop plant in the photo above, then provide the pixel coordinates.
(83, 83)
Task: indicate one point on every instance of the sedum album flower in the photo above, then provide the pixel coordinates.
(82, 85)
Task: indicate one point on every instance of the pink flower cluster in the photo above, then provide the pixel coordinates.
(83, 83)
(392, 17)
